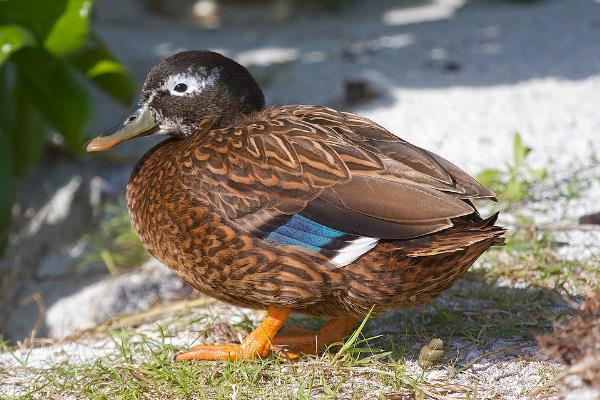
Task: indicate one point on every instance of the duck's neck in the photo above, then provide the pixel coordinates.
(233, 113)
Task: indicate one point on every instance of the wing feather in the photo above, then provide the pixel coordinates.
(340, 169)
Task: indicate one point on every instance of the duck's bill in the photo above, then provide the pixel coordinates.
(139, 123)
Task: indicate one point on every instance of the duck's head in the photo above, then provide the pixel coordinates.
(182, 91)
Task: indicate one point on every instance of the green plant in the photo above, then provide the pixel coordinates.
(116, 244)
(513, 183)
(47, 51)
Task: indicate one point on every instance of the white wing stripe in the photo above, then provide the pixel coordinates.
(354, 249)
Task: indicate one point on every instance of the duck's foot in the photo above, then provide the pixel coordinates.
(289, 346)
(256, 344)
(308, 342)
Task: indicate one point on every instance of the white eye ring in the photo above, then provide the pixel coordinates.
(188, 83)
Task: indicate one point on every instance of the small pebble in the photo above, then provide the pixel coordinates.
(431, 354)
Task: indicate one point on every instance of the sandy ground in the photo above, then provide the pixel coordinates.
(456, 77)
(526, 68)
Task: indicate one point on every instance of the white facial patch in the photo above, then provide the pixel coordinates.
(189, 83)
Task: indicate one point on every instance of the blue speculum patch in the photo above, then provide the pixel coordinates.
(301, 231)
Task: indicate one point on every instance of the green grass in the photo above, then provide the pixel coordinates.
(141, 367)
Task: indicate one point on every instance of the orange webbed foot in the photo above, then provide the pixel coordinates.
(259, 342)
(256, 344)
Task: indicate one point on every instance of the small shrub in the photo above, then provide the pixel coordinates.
(513, 183)
(46, 52)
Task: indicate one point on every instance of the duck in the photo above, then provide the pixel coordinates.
(291, 208)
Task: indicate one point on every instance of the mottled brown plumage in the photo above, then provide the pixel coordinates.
(193, 201)
(205, 204)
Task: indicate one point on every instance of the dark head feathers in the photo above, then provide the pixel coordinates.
(189, 86)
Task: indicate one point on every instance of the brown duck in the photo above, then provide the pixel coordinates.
(291, 208)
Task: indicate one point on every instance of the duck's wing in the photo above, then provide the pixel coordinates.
(424, 163)
(321, 179)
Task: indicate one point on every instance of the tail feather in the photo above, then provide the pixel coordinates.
(465, 233)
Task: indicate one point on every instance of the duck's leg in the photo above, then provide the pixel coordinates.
(256, 344)
(334, 331)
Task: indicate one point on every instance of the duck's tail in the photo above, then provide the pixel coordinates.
(466, 232)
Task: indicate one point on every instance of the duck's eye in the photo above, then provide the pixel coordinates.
(180, 87)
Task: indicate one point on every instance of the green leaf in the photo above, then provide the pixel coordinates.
(520, 151)
(57, 93)
(28, 134)
(62, 25)
(6, 105)
(539, 173)
(516, 190)
(71, 29)
(37, 15)
(98, 64)
(553, 269)
(13, 38)
(490, 177)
